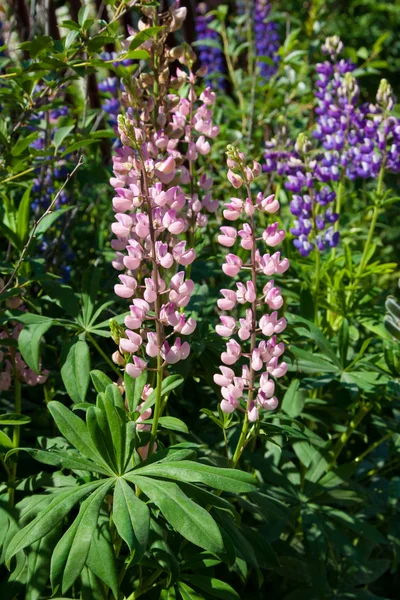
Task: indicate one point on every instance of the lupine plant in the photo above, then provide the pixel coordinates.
(199, 354)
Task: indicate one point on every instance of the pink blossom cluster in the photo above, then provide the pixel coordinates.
(11, 362)
(254, 380)
(159, 199)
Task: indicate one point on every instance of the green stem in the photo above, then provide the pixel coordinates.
(253, 343)
(373, 446)
(344, 438)
(16, 438)
(317, 281)
(157, 406)
(104, 355)
(147, 585)
(232, 75)
(368, 243)
(375, 215)
(242, 442)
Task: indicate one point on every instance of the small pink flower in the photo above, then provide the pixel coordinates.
(269, 204)
(272, 236)
(266, 402)
(246, 325)
(136, 367)
(228, 236)
(143, 451)
(232, 265)
(232, 354)
(164, 257)
(256, 360)
(228, 301)
(234, 179)
(247, 237)
(270, 324)
(233, 209)
(252, 413)
(182, 256)
(277, 370)
(226, 378)
(246, 294)
(227, 328)
(152, 349)
(273, 295)
(150, 293)
(267, 385)
(131, 344)
(249, 207)
(127, 287)
(175, 353)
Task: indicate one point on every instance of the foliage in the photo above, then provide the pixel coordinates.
(304, 501)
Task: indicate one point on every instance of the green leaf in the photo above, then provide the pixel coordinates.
(60, 135)
(49, 219)
(70, 554)
(101, 557)
(49, 518)
(38, 564)
(142, 36)
(167, 386)
(23, 142)
(74, 430)
(14, 419)
(62, 459)
(213, 587)
(174, 424)
(5, 443)
(90, 287)
(344, 341)
(293, 400)
(29, 343)
(312, 363)
(100, 436)
(188, 593)
(75, 369)
(23, 216)
(83, 14)
(228, 480)
(192, 521)
(131, 517)
(134, 389)
(100, 380)
(116, 426)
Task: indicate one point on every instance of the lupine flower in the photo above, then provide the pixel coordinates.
(210, 57)
(313, 226)
(266, 38)
(357, 139)
(250, 365)
(158, 203)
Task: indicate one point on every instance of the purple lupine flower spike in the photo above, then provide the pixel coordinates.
(266, 38)
(209, 56)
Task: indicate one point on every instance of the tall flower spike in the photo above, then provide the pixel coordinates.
(250, 364)
(159, 197)
(210, 57)
(266, 38)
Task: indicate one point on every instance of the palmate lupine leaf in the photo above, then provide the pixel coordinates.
(192, 521)
(75, 369)
(49, 517)
(227, 480)
(101, 558)
(75, 431)
(131, 518)
(70, 554)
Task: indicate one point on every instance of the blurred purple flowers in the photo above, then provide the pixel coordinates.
(210, 56)
(266, 38)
